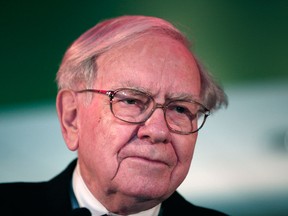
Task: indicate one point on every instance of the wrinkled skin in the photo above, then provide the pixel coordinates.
(132, 167)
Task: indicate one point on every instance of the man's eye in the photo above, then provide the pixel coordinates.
(130, 101)
(180, 109)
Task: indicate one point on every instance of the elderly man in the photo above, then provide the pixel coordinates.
(132, 98)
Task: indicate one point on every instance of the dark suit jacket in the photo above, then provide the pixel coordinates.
(52, 198)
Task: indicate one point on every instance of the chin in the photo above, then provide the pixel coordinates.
(149, 192)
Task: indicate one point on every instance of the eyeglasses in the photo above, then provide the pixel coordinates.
(134, 106)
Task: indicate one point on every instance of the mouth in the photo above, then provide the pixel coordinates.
(146, 156)
(145, 161)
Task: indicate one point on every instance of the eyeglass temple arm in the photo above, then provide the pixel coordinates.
(99, 91)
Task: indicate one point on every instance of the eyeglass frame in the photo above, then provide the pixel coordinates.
(112, 93)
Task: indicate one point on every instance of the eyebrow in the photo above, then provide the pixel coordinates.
(182, 96)
(129, 84)
(169, 96)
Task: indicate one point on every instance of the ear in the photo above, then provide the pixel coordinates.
(67, 110)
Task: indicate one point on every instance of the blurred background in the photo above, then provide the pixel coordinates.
(240, 164)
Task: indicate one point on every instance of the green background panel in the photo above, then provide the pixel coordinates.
(238, 41)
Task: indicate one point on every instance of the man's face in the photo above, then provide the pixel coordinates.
(139, 160)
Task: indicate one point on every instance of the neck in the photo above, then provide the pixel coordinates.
(124, 205)
(111, 201)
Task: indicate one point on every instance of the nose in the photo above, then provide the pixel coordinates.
(155, 128)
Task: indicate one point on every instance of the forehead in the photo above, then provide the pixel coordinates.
(153, 62)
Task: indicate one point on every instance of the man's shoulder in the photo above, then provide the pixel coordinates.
(177, 203)
(51, 196)
(21, 188)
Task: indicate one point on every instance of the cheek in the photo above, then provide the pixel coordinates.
(92, 133)
(95, 132)
(185, 148)
(101, 137)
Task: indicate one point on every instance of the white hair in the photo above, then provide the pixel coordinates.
(79, 68)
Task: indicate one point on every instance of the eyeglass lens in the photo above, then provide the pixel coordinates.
(136, 107)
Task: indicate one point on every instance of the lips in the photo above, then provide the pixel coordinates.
(147, 160)
(148, 153)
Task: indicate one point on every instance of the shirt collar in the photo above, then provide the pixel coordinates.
(86, 199)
